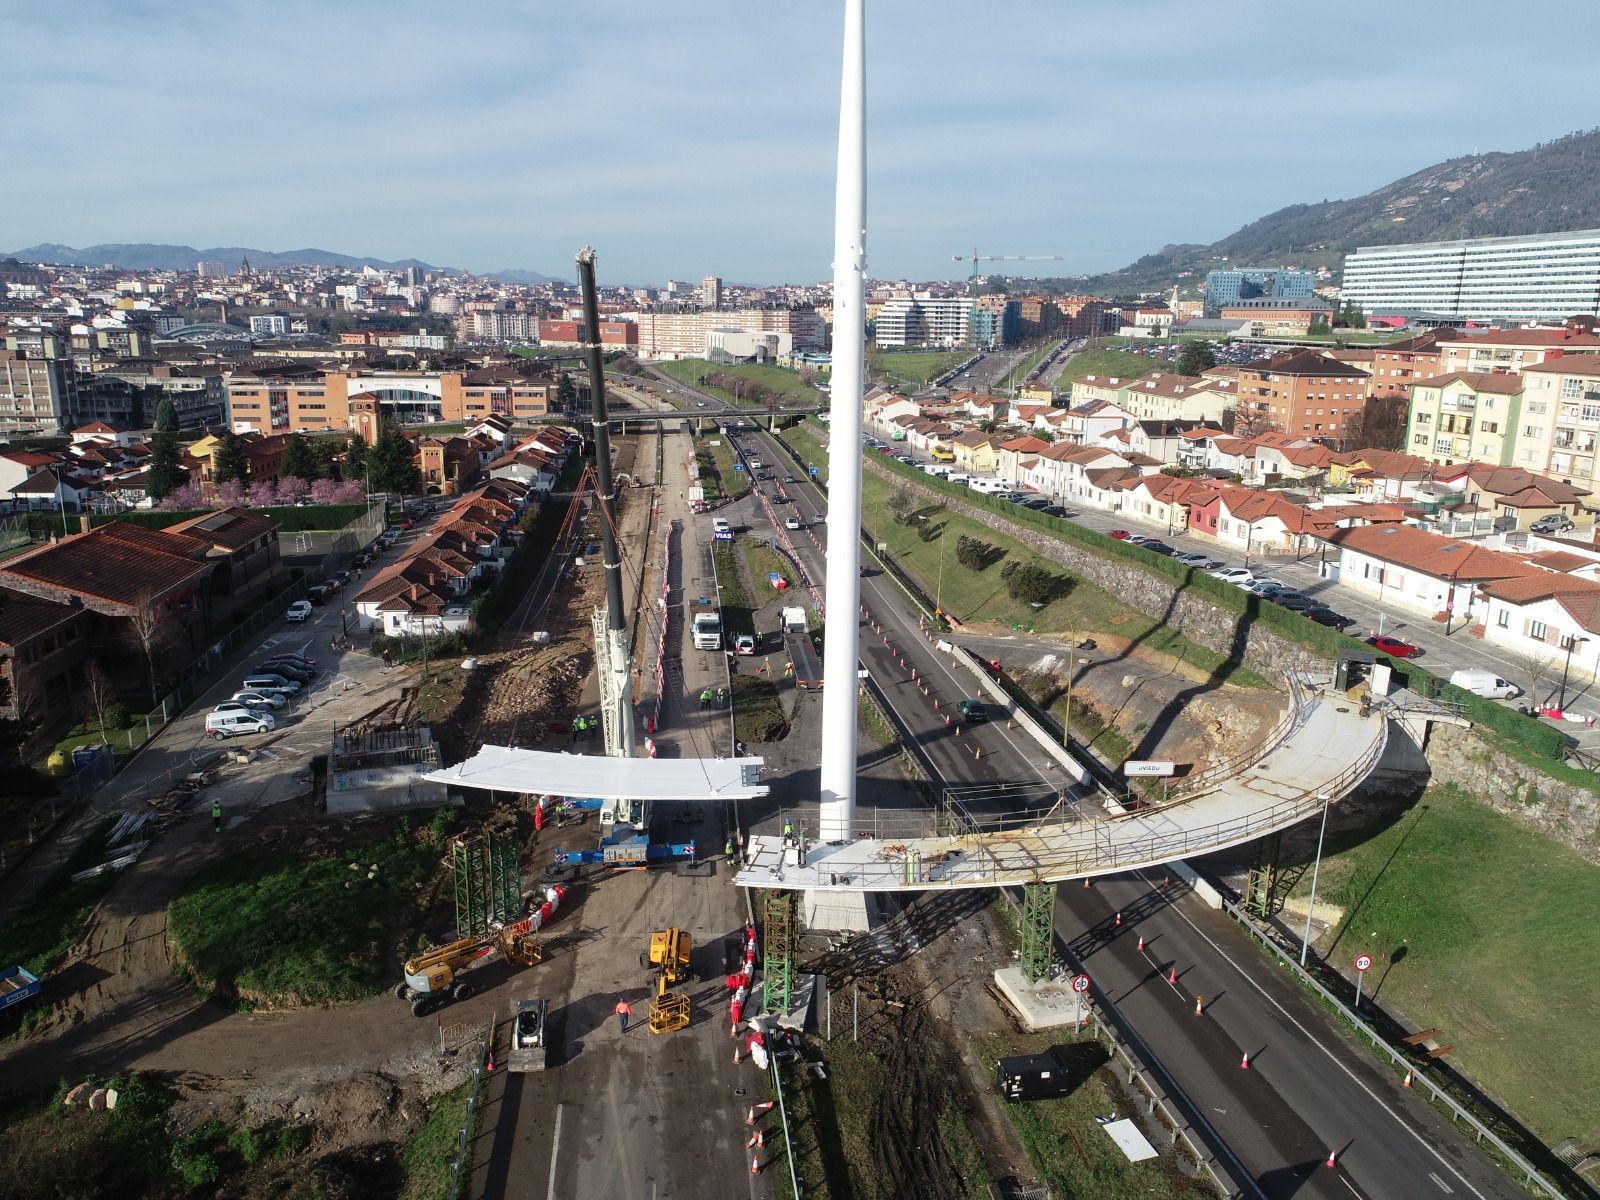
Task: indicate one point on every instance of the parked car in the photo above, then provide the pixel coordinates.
(298, 611)
(1198, 561)
(1394, 646)
(1053, 510)
(1267, 588)
(1296, 601)
(286, 668)
(1236, 575)
(333, 585)
(1553, 523)
(269, 683)
(260, 699)
(1037, 503)
(1122, 535)
(231, 723)
(291, 656)
(972, 710)
(1156, 547)
(318, 594)
(1323, 615)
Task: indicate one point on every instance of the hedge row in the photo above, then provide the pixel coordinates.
(289, 518)
(1543, 740)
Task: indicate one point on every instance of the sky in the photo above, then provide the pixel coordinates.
(697, 137)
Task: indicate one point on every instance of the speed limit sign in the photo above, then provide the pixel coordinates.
(1363, 964)
(1080, 983)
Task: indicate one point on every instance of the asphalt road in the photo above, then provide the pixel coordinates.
(1309, 1090)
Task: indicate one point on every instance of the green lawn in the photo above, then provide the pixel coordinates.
(717, 475)
(1068, 1147)
(278, 930)
(1117, 363)
(912, 369)
(1497, 924)
(791, 390)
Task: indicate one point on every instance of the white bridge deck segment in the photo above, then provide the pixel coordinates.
(1324, 748)
(507, 769)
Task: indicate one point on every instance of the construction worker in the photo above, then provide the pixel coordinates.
(216, 816)
(730, 850)
(705, 698)
(788, 669)
(788, 832)
(624, 1010)
(722, 697)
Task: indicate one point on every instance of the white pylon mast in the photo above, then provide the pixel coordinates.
(842, 593)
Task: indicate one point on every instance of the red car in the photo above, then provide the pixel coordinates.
(1394, 646)
(1121, 535)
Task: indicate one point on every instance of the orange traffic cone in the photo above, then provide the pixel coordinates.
(1333, 1158)
(755, 1165)
(1172, 975)
(756, 1141)
(1119, 916)
(1199, 1006)
(1407, 1081)
(1141, 943)
(758, 1109)
(1244, 1063)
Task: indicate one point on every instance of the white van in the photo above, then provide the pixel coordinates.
(228, 724)
(1485, 683)
(989, 486)
(720, 525)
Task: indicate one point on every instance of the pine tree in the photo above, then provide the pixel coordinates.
(355, 457)
(391, 464)
(165, 475)
(229, 461)
(299, 460)
(566, 393)
(166, 416)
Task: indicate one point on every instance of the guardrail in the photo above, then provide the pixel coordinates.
(464, 1138)
(1532, 1176)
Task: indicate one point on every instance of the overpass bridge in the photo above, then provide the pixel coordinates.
(1321, 752)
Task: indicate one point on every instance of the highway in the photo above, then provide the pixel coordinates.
(1309, 1091)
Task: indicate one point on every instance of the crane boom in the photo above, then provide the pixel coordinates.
(972, 280)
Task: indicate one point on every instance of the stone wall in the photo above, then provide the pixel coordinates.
(1564, 812)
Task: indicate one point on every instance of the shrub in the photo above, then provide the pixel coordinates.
(976, 554)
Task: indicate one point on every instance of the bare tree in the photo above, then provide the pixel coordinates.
(98, 696)
(151, 632)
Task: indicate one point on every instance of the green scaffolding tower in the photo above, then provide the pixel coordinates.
(1264, 883)
(1038, 930)
(778, 967)
(488, 883)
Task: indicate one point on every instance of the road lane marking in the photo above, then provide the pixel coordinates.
(1443, 1186)
(555, 1150)
(1312, 1038)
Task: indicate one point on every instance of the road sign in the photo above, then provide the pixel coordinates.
(1363, 964)
(1148, 768)
(723, 535)
(738, 468)
(815, 471)
(1080, 983)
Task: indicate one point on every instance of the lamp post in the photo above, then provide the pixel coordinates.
(1572, 644)
(1311, 906)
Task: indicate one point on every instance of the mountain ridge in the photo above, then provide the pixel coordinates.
(158, 256)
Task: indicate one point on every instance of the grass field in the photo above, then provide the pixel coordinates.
(717, 475)
(1484, 930)
(911, 369)
(790, 388)
(1066, 1144)
(277, 930)
(1118, 363)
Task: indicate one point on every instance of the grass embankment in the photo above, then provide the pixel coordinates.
(40, 935)
(757, 712)
(972, 596)
(716, 461)
(1068, 1147)
(1019, 374)
(1483, 930)
(761, 561)
(791, 390)
(912, 369)
(1118, 363)
(426, 1158)
(278, 929)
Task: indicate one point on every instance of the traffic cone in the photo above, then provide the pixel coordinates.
(1407, 1081)
(1244, 1063)
(489, 1066)
(1333, 1158)
(755, 1165)
(756, 1109)
(1141, 943)
(1119, 916)
(1085, 881)
(1172, 975)
(1199, 1006)
(736, 1059)
(755, 1142)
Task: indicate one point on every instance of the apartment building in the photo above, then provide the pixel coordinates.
(1398, 365)
(1164, 397)
(1529, 278)
(671, 335)
(1228, 288)
(1270, 316)
(37, 393)
(1511, 350)
(1304, 393)
(1559, 422)
(941, 321)
(1465, 417)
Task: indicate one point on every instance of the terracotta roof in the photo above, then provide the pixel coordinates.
(23, 616)
(1537, 338)
(228, 528)
(121, 564)
(1566, 364)
(1303, 362)
(1026, 445)
(1560, 560)
(1537, 585)
(1478, 381)
(1517, 488)
(42, 483)
(1441, 557)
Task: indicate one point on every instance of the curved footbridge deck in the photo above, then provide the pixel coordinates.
(1322, 750)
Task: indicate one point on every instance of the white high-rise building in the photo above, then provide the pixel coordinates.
(1503, 278)
(924, 321)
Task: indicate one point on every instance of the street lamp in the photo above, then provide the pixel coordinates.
(1572, 644)
(1311, 906)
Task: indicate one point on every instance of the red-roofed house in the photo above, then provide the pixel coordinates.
(1410, 568)
(1540, 616)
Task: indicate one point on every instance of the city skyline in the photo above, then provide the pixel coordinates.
(1064, 133)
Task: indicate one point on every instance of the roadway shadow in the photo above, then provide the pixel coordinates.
(1281, 1183)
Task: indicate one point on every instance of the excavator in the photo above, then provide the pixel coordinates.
(434, 977)
(668, 958)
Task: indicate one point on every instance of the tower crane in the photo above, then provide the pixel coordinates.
(975, 258)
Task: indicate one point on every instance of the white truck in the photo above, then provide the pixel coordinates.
(801, 664)
(707, 631)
